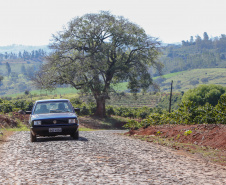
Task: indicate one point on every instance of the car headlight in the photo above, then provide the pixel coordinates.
(37, 122)
(72, 120)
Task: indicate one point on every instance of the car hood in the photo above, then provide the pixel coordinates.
(53, 116)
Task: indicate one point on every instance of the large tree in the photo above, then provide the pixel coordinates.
(96, 50)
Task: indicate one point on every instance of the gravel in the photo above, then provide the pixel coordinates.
(99, 157)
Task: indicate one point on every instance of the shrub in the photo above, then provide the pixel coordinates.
(205, 94)
(5, 107)
(110, 110)
(75, 101)
(85, 110)
(132, 124)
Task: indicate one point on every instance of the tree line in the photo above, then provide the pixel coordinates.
(218, 43)
(195, 54)
(35, 55)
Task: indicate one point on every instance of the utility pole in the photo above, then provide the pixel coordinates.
(170, 96)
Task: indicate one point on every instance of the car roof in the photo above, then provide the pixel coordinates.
(52, 100)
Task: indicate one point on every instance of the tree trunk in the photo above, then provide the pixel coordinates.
(100, 110)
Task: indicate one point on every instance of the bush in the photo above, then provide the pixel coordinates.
(75, 101)
(5, 107)
(110, 110)
(132, 124)
(85, 110)
(205, 94)
(143, 112)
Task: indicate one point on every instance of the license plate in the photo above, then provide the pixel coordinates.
(55, 129)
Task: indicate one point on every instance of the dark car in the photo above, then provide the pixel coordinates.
(53, 117)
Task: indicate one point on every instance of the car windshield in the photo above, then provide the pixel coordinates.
(52, 107)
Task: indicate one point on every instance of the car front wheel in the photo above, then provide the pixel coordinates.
(75, 135)
(33, 137)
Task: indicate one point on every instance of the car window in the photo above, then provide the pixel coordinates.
(52, 107)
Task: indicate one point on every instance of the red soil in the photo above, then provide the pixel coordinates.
(210, 135)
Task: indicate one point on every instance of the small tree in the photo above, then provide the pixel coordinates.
(23, 70)
(1, 78)
(96, 50)
(27, 92)
(8, 68)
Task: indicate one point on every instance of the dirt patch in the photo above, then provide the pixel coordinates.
(21, 116)
(204, 135)
(93, 122)
(3, 137)
(210, 140)
(6, 121)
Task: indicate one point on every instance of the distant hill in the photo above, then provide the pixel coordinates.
(20, 48)
(185, 80)
(198, 53)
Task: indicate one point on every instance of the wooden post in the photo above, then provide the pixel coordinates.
(170, 96)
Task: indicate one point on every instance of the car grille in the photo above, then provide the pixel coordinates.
(54, 121)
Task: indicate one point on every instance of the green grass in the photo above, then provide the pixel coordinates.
(169, 75)
(58, 91)
(20, 127)
(183, 79)
(85, 129)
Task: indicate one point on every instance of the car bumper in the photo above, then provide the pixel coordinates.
(44, 130)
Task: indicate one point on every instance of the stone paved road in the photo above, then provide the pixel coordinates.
(99, 157)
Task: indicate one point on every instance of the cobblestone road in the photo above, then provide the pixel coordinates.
(99, 157)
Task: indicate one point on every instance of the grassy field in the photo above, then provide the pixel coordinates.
(186, 80)
(129, 100)
(66, 92)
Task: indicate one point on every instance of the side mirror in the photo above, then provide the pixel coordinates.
(77, 110)
(28, 112)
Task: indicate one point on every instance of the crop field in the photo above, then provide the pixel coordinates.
(129, 100)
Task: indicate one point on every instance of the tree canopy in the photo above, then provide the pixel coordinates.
(96, 50)
(205, 94)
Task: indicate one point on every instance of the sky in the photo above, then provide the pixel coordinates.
(33, 22)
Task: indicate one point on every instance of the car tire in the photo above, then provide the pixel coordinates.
(75, 135)
(33, 138)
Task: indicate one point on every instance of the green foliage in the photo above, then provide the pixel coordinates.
(187, 132)
(110, 110)
(9, 106)
(5, 107)
(204, 94)
(164, 101)
(75, 101)
(129, 112)
(85, 110)
(132, 124)
(188, 113)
